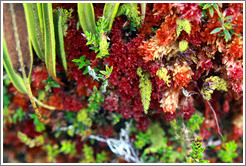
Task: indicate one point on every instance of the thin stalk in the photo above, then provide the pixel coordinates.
(215, 116)
(43, 105)
(143, 12)
(27, 84)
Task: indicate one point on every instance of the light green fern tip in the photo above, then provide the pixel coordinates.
(183, 25)
(162, 74)
(183, 45)
(212, 83)
(145, 86)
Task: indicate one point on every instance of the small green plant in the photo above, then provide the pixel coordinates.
(50, 83)
(145, 86)
(107, 72)
(98, 41)
(101, 157)
(195, 122)
(38, 125)
(68, 147)
(228, 153)
(142, 140)
(183, 25)
(18, 116)
(133, 15)
(183, 45)
(225, 26)
(212, 83)
(82, 117)
(210, 7)
(162, 74)
(37, 141)
(88, 154)
(196, 155)
(52, 151)
(82, 63)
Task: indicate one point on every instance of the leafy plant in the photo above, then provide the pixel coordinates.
(82, 117)
(212, 83)
(82, 63)
(142, 140)
(68, 147)
(88, 154)
(101, 157)
(38, 125)
(196, 155)
(18, 116)
(37, 141)
(52, 151)
(210, 7)
(50, 83)
(98, 41)
(162, 74)
(195, 122)
(183, 45)
(183, 25)
(227, 154)
(225, 26)
(145, 86)
(132, 13)
(6, 97)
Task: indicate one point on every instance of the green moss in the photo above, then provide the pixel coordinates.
(183, 25)
(145, 86)
(162, 74)
(212, 83)
(183, 45)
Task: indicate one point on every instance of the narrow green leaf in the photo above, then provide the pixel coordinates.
(34, 28)
(206, 6)
(15, 79)
(211, 11)
(109, 13)
(59, 37)
(49, 36)
(216, 30)
(227, 35)
(216, 6)
(87, 17)
(229, 17)
(220, 14)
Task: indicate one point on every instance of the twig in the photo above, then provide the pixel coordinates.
(215, 116)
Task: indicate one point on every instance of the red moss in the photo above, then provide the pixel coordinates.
(167, 33)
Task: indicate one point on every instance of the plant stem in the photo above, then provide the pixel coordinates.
(215, 116)
(43, 105)
(18, 48)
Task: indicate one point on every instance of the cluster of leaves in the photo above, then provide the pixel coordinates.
(210, 7)
(226, 27)
(145, 86)
(133, 15)
(88, 155)
(50, 83)
(37, 141)
(183, 24)
(162, 74)
(105, 74)
(212, 83)
(196, 155)
(98, 42)
(227, 154)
